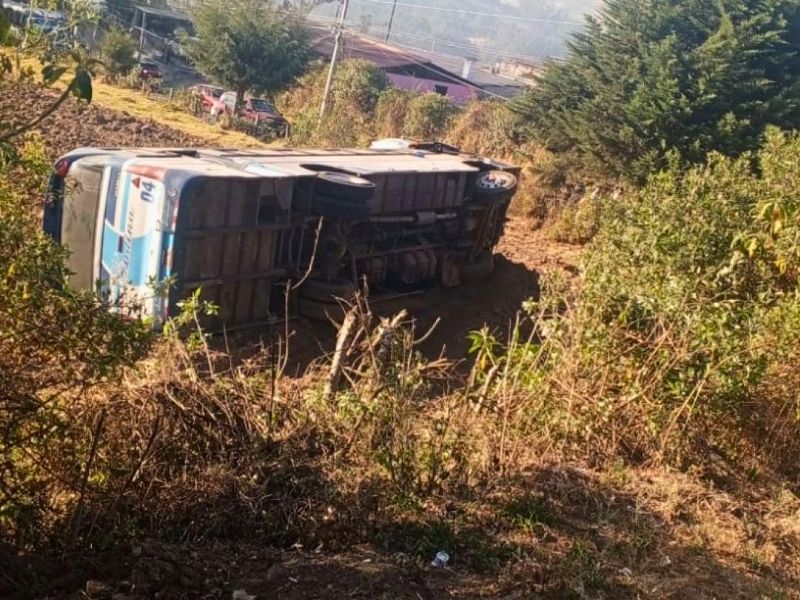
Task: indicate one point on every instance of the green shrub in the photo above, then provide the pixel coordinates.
(391, 111)
(55, 344)
(485, 127)
(576, 223)
(118, 51)
(688, 306)
(351, 110)
(428, 116)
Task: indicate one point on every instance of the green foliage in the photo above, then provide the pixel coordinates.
(402, 113)
(363, 106)
(53, 342)
(354, 98)
(428, 116)
(247, 45)
(486, 127)
(119, 52)
(684, 76)
(390, 112)
(576, 223)
(685, 327)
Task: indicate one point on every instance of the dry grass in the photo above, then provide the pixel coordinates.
(141, 106)
(157, 108)
(390, 449)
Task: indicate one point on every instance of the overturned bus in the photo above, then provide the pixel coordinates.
(147, 227)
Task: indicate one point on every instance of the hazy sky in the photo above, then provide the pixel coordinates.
(574, 7)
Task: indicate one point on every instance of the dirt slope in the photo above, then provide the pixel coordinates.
(74, 125)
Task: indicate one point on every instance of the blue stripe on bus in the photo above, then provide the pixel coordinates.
(110, 244)
(138, 268)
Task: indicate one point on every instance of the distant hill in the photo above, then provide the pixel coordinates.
(522, 28)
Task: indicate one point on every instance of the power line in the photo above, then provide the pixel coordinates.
(484, 49)
(476, 14)
(491, 50)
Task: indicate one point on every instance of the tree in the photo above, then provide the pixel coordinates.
(247, 45)
(119, 52)
(428, 117)
(650, 78)
(357, 87)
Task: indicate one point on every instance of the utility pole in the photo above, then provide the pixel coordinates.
(142, 32)
(336, 49)
(391, 21)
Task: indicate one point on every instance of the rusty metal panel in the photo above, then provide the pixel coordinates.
(244, 301)
(229, 233)
(261, 292)
(231, 261)
(395, 190)
(377, 204)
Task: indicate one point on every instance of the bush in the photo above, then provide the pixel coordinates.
(485, 127)
(351, 111)
(118, 51)
(55, 345)
(688, 307)
(577, 222)
(390, 113)
(428, 116)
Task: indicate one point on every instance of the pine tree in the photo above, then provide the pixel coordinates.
(650, 78)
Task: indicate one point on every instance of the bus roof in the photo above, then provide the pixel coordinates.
(288, 162)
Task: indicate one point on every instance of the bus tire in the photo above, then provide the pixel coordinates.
(494, 185)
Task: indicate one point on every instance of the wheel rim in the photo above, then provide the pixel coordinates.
(495, 180)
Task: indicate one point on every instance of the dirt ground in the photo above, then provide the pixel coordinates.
(74, 125)
(559, 531)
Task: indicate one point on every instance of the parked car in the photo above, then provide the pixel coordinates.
(148, 71)
(261, 110)
(255, 110)
(209, 95)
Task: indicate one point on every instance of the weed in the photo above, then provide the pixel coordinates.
(529, 511)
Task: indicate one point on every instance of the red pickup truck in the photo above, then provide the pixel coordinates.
(256, 110)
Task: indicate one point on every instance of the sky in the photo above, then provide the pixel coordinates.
(525, 29)
(573, 7)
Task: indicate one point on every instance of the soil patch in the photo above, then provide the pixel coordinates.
(76, 124)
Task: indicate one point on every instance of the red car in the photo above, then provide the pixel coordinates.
(149, 71)
(257, 110)
(209, 95)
